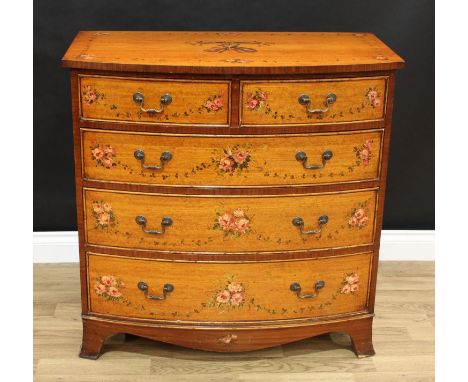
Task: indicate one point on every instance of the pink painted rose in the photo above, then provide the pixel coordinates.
(226, 164)
(238, 213)
(107, 162)
(364, 154)
(352, 279)
(226, 221)
(108, 280)
(359, 213)
(107, 207)
(240, 156)
(353, 221)
(235, 287)
(346, 289)
(242, 225)
(109, 151)
(236, 299)
(253, 103)
(90, 97)
(372, 95)
(99, 288)
(376, 102)
(208, 104)
(213, 106)
(114, 292)
(97, 208)
(104, 219)
(364, 221)
(365, 162)
(223, 297)
(218, 102)
(354, 288)
(227, 339)
(97, 153)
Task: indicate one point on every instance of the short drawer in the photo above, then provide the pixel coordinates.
(229, 224)
(154, 101)
(227, 291)
(313, 101)
(231, 161)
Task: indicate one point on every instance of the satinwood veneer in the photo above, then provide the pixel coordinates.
(230, 185)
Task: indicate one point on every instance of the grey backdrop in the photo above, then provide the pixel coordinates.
(407, 26)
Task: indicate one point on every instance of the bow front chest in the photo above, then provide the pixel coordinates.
(230, 186)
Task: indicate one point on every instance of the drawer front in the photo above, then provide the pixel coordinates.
(231, 161)
(123, 99)
(229, 291)
(277, 102)
(229, 223)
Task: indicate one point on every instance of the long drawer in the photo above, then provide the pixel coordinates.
(231, 161)
(309, 102)
(229, 224)
(154, 101)
(229, 291)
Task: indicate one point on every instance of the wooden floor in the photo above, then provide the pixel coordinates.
(403, 340)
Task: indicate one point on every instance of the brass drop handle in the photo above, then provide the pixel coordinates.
(301, 156)
(304, 99)
(139, 99)
(299, 222)
(296, 288)
(165, 222)
(165, 157)
(167, 288)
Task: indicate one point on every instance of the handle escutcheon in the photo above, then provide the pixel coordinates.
(304, 99)
(167, 288)
(301, 156)
(296, 288)
(299, 222)
(139, 99)
(165, 157)
(165, 222)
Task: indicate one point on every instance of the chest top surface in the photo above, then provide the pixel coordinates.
(230, 52)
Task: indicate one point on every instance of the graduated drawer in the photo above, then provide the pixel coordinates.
(227, 291)
(313, 101)
(168, 101)
(203, 223)
(231, 161)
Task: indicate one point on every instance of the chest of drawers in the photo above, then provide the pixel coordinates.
(229, 186)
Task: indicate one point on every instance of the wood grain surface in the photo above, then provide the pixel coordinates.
(276, 102)
(247, 83)
(227, 292)
(403, 338)
(239, 161)
(111, 99)
(230, 52)
(229, 224)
